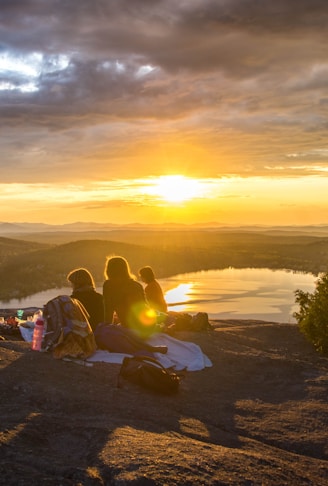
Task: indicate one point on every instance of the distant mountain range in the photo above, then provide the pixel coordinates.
(28, 228)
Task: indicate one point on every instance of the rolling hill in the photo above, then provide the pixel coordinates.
(30, 267)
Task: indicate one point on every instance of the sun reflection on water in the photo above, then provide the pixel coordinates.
(179, 296)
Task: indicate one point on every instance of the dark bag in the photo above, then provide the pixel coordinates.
(186, 322)
(149, 373)
(200, 322)
(183, 321)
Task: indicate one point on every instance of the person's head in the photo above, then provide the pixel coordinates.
(117, 267)
(80, 277)
(147, 274)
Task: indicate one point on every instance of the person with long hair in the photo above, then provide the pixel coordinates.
(153, 290)
(122, 294)
(129, 321)
(125, 297)
(85, 291)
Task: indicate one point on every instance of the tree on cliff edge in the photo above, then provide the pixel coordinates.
(312, 317)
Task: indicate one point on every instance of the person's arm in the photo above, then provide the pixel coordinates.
(108, 306)
(151, 294)
(99, 311)
(155, 296)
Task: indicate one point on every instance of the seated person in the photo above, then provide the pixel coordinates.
(125, 299)
(84, 290)
(153, 290)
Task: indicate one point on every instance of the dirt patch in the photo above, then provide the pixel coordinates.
(259, 416)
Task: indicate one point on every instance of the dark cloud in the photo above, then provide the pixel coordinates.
(100, 75)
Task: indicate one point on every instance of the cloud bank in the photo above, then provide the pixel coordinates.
(123, 89)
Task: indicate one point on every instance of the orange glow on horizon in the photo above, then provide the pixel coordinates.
(170, 199)
(176, 188)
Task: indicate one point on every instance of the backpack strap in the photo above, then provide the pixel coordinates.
(150, 359)
(55, 323)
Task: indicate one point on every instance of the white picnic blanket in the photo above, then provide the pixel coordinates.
(180, 355)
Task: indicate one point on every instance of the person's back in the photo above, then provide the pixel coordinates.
(120, 296)
(93, 302)
(84, 290)
(155, 296)
(153, 290)
(125, 296)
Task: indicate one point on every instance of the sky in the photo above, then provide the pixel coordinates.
(157, 111)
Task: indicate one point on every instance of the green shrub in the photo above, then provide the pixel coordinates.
(312, 317)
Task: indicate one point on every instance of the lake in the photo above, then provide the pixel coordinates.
(247, 293)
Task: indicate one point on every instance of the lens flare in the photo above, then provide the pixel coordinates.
(147, 317)
(142, 319)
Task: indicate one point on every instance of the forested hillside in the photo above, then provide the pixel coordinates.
(10, 247)
(27, 268)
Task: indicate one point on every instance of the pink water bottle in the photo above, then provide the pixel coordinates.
(37, 335)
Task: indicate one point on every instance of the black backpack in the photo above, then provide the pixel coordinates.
(149, 373)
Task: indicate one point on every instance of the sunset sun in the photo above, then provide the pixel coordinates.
(176, 188)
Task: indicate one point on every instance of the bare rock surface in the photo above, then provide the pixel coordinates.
(259, 416)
